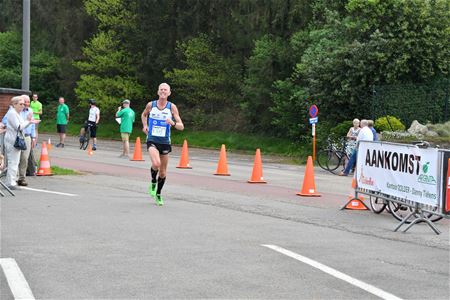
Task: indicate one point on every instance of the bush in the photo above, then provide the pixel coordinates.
(341, 129)
(442, 129)
(382, 124)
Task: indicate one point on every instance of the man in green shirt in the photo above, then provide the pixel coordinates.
(36, 107)
(126, 116)
(62, 118)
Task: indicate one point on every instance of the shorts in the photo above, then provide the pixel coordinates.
(163, 149)
(61, 128)
(93, 127)
(125, 136)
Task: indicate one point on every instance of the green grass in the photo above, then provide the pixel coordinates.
(62, 171)
(245, 143)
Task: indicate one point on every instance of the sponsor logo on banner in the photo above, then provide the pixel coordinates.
(424, 178)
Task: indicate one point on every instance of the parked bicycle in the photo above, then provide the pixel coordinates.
(333, 156)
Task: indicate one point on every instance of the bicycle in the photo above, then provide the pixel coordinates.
(333, 156)
(85, 136)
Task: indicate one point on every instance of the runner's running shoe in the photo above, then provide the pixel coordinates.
(159, 200)
(152, 189)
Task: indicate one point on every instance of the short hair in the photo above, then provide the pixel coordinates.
(164, 83)
(364, 123)
(15, 100)
(355, 120)
(370, 123)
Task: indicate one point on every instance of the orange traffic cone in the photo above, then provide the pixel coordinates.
(309, 186)
(222, 167)
(137, 154)
(89, 150)
(355, 203)
(257, 175)
(184, 159)
(44, 163)
(49, 145)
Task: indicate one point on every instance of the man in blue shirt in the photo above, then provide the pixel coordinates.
(30, 139)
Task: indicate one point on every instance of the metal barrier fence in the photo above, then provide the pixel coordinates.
(410, 176)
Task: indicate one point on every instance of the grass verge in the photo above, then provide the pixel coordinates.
(246, 143)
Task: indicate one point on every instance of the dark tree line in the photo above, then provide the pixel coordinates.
(244, 65)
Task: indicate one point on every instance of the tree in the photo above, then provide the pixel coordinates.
(44, 77)
(208, 82)
(108, 67)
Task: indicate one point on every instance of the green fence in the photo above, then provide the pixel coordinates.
(426, 102)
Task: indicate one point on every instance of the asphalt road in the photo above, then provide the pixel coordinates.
(103, 237)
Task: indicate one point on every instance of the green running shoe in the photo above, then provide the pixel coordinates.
(159, 200)
(152, 189)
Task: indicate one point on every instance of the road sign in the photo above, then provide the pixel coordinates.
(313, 120)
(313, 111)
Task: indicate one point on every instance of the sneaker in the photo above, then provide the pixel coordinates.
(22, 183)
(94, 148)
(58, 145)
(159, 200)
(152, 189)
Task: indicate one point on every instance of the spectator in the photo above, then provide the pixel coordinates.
(126, 115)
(352, 134)
(375, 135)
(30, 139)
(14, 123)
(365, 134)
(62, 118)
(36, 107)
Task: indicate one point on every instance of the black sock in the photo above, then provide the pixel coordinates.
(154, 173)
(160, 185)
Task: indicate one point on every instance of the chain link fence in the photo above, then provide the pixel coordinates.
(426, 102)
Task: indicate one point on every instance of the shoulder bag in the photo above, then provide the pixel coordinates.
(20, 141)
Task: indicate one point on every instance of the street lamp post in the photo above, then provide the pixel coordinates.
(26, 46)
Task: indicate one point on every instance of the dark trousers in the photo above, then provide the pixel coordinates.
(31, 169)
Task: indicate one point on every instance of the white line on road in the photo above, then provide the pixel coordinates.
(16, 281)
(358, 283)
(50, 192)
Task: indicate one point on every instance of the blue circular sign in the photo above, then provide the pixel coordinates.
(313, 111)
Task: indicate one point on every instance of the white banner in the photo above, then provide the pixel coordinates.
(399, 170)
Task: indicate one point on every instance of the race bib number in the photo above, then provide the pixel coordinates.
(159, 130)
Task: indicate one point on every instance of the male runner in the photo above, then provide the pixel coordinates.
(157, 119)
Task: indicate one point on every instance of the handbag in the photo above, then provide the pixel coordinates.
(20, 141)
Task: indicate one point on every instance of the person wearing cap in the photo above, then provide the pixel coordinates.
(126, 116)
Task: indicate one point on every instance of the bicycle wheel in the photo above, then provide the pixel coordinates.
(377, 204)
(87, 137)
(334, 161)
(322, 159)
(399, 211)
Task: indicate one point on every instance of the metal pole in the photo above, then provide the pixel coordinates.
(26, 46)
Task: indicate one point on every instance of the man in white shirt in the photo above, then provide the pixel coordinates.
(92, 121)
(365, 134)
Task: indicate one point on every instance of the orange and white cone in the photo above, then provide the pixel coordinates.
(222, 166)
(137, 154)
(89, 150)
(184, 159)
(257, 174)
(309, 185)
(355, 203)
(49, 145)
(44, 163)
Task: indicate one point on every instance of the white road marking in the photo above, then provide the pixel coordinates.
(16, 281)
(46, 191)
(358, 283)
